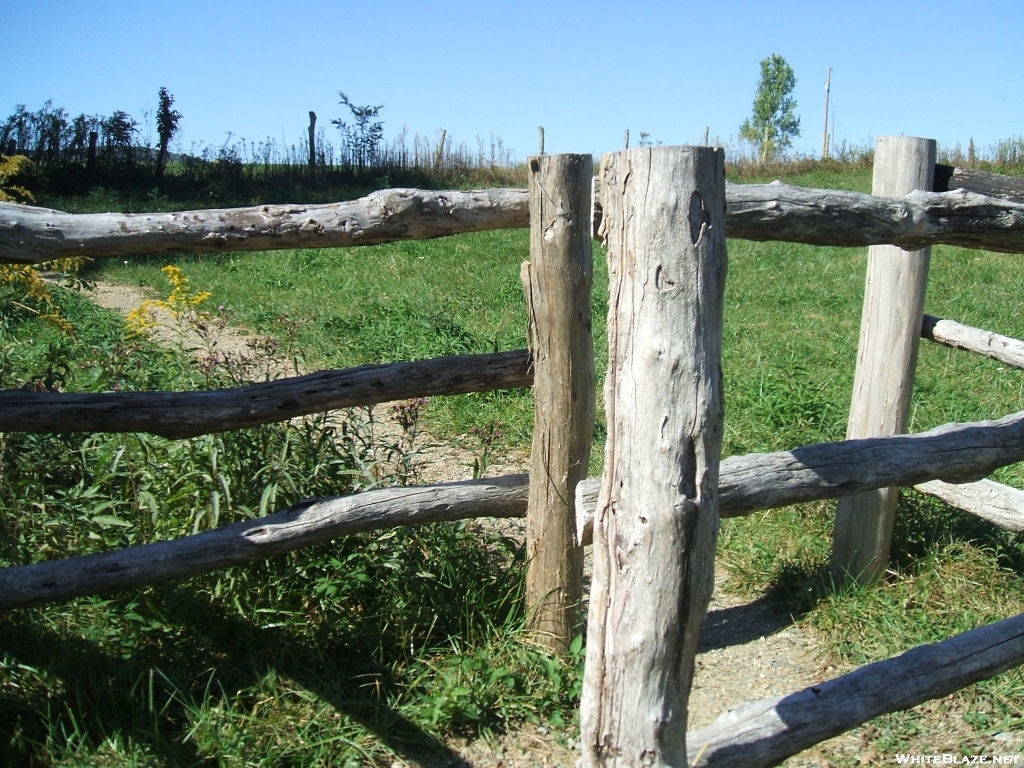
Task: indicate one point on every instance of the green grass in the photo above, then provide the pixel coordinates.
(394, 302)
(791, 329)
(369, 649)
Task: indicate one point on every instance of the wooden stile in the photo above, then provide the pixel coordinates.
(657, 519)
(557, 281)
(890, 333)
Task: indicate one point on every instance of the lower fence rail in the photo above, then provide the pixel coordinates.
(764, 733)
(960, 452)
(189, 414)
(995, 502)
(1005, 349)
(309, 522)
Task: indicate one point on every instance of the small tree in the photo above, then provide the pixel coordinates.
(773, 124)
(166, 125)
(360, 141)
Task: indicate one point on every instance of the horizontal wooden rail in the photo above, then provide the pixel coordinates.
(34, 235)
(777, 211)
(983, 182)
(1002, 348)
(957, 453)
(187, 414)
(302, 525)
(764, 733)
(753, 211)
(995, 502)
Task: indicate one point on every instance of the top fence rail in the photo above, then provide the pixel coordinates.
(773, 211)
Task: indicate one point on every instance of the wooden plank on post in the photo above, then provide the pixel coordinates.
(890, 333)
(657, 518)
(557, 281)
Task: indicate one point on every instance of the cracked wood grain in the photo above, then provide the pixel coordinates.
(657, 512)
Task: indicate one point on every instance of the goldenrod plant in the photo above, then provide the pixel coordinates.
(23, 282)
(182, 304)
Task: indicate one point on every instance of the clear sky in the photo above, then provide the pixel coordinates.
(585, 71)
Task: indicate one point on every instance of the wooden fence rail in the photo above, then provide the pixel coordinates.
(952, 334)
(33, 235)
(983, 182)
(746, 484)
(187, 414)
(301, 525)
(753, 211)
(764, 733)
(957, 453)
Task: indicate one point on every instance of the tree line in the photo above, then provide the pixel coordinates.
(73, 155)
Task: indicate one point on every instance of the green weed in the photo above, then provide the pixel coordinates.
(360, 651)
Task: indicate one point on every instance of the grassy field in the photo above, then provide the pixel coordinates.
(358, 674)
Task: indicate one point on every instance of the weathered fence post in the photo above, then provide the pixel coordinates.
(557, 281)
(312, 140)
(657, 515)
(90, 161)
(890, 332)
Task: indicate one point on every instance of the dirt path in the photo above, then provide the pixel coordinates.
(748, 650)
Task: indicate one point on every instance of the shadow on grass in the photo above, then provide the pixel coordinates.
(146, 696)
(923, 526)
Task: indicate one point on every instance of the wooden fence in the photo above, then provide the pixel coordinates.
(664, 213)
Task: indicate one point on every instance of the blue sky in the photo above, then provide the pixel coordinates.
(585, 71)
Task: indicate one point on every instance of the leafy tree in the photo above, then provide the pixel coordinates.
(360, 141)
(166, 125)
(773, 124)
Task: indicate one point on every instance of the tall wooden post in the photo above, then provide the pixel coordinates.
(656, 520)
(312, 140)
(94, 138)
(890, 331)
(557, 281)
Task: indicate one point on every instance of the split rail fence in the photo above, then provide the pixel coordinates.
(664, 214)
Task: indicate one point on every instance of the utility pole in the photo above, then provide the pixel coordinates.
(824, 139)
